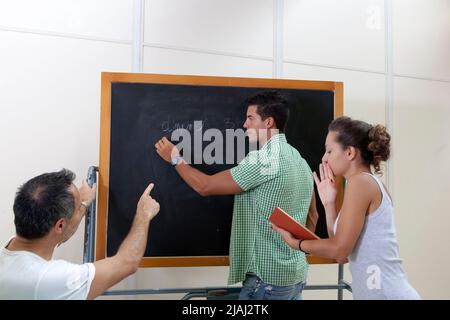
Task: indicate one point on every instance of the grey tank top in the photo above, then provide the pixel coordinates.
(375, 264)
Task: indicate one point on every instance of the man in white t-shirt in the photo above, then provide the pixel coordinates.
(47, 212)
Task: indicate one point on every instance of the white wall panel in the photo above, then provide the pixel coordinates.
(364, 93)
(336, 33)
(421, 38)
(158, 60)
(110, 19)
(421, 153)
(241, 27)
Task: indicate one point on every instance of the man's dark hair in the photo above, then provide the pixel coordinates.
(42, 201)
(271, 104)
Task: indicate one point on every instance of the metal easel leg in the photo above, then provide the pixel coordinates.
(89, 221)
(340, 280)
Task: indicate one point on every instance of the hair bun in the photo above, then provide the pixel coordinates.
(379, 144)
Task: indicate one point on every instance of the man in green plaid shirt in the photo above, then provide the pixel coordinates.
(274, 176)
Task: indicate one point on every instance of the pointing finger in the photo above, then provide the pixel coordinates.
(148, 190)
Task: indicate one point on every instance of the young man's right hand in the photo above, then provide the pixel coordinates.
(147, 205)
(166, 149)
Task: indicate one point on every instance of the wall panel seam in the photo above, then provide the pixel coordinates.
(206, 51)
(64, 35)
(305, 63)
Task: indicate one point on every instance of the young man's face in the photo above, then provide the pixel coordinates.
(254, 124)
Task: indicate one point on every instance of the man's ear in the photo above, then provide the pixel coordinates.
(270, 123)
(60, 226)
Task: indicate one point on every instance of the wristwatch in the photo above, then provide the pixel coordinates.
(175, 160)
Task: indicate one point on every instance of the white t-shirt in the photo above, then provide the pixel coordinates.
(25, 275)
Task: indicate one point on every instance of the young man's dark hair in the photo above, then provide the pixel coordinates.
(271, 104)
(42, 201)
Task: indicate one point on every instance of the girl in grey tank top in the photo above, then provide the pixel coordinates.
(363, 232)
(375, 263)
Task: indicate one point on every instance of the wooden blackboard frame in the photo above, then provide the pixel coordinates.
(108, 78)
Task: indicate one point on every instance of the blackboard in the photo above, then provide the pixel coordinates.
(138, 109)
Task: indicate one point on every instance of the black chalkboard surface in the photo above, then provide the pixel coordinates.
(140, 109)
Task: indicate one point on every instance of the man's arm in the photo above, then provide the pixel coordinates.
(221, 183)
(111, 270)
(313, 215)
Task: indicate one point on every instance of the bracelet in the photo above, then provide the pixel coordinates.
(86, 205)
(300, 246)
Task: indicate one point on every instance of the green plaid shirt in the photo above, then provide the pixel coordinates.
(274, 176)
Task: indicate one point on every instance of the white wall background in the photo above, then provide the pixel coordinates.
(392, 55)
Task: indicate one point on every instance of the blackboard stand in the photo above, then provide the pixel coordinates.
(208, 292)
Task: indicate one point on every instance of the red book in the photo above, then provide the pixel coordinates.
(282, 220)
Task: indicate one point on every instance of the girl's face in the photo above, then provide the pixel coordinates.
(335, 155)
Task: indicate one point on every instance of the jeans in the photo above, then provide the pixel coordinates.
(253, 288)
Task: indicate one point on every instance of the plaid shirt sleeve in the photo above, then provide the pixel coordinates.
(256, 168)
